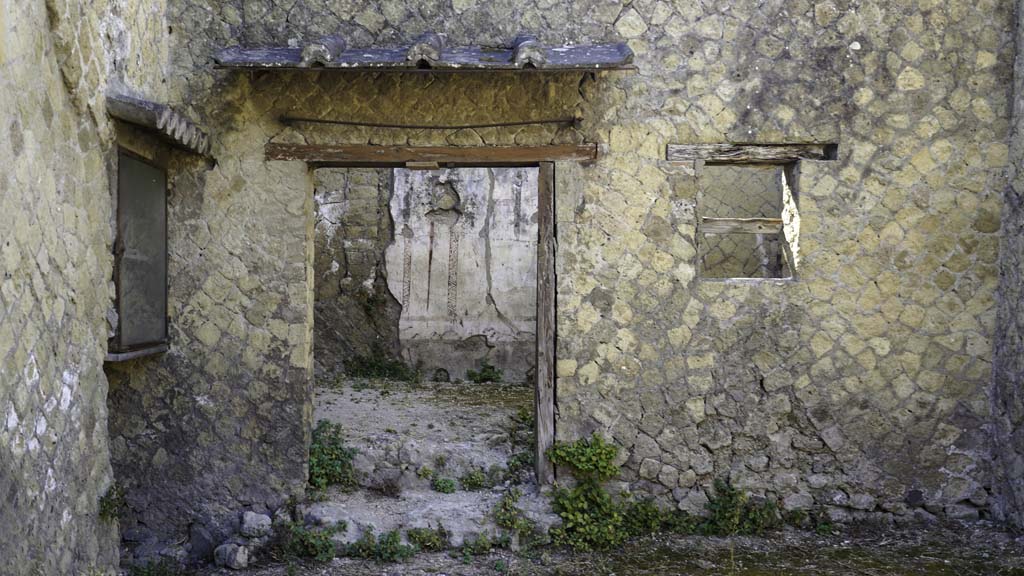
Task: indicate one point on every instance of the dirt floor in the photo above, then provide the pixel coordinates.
(952, 551)
(460, 416)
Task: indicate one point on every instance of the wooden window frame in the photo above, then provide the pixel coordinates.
(788, 156)
(116, 351)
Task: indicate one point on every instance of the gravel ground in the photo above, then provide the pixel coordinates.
(952, 550)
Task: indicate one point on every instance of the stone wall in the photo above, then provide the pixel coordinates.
(355, 313)
(221, 422)
(1008, 361)
(862, 386)
(57, 59)
(465, 268)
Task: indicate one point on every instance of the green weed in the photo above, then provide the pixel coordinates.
(112, 504)
(443, 485)
(486, 373)
(330, 460)
(428, 539)
(387, 548)
(475, 480)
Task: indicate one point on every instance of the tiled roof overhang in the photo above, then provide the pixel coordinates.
(429, 53)
(160, 119)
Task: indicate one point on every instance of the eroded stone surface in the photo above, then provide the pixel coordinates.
(57, 59)
(401, 430)
(870, 374)
(1008, 360)
(464, 515)
(464, 267)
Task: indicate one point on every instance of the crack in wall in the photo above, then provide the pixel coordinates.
(485, 233)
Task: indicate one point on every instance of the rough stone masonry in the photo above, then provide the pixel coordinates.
(883, 380)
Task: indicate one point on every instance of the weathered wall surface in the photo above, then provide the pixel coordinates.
(464, 265)
(750, 191)
(437, 267)
(56, 60)
(355, 314)
(221, 421)
(1008, 360)
(863, 385)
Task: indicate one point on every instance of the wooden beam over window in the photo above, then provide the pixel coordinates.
(750, 153)
(397, 156)
(741, 225)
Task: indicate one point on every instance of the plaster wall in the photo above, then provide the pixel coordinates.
(464, 265)
(862, 387)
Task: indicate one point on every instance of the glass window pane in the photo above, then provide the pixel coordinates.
(142, 274)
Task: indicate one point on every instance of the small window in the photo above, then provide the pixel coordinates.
(140, 259)
(748, 221)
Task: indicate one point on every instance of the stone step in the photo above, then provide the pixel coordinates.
(465, 515)
(407, 434)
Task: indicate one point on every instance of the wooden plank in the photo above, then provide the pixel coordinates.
(750, 153)
(546, 287)
(741, 225)
(360, 154)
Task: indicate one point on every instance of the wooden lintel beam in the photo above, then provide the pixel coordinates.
(441, 155)
(750, 153)
(741, 225)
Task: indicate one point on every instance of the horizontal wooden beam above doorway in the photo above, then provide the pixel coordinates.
(750, 153)
(369, 155)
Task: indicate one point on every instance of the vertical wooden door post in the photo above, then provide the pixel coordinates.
(545, 388)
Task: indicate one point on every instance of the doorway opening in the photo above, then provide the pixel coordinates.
(426, 350)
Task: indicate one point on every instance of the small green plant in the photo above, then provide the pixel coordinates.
(314, 544)
(330, 460)
(387, 548)
(474, 480)
(365, 547)
(440, 461)
(591, 519)
(519, 463)
(443, 485)
(428, 539)
(391, 549)
(734, 512)
(486, 373)
(507, 514)
(112, 504)
(480, 545)
(642, 517)
(425, 473)
(380, 364)
(524, 418)
(590, 459)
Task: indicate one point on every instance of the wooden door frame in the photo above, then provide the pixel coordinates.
(547, 291)
(545, 158)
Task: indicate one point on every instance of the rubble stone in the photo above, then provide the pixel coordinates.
(232, 556)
